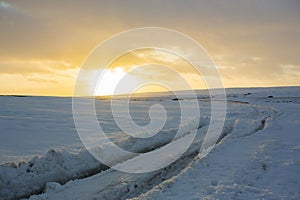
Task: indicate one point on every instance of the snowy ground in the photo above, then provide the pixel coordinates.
(256, 157)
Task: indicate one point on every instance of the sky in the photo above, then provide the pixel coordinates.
(254, 43)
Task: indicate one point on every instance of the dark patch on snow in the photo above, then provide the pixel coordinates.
(176, 99)
(264, 167)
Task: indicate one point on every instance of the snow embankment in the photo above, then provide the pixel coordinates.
(23, 179)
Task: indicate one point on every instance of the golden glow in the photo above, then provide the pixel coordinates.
(148, 70)
(41, 51)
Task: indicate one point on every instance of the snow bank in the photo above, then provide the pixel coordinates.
(61, 165)
(25, 178)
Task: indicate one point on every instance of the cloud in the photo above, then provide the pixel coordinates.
(4, 5)
(41, 80)
(291, 70)
(25, 67)
(159, 57)
(70, 30)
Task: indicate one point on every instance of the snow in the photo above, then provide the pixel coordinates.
(256, 157)
(260, 164)
(33, 125)
(66, 163)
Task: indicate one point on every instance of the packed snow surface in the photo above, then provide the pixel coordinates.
(256, 157)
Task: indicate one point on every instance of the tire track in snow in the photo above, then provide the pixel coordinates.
(232, 130)
(129, 186)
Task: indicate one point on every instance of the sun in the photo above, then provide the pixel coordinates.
(109, 81)
(116, 81)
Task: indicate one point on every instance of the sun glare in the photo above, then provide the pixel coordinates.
(109, 81)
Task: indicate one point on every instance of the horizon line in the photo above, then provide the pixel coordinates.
(141, 93)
